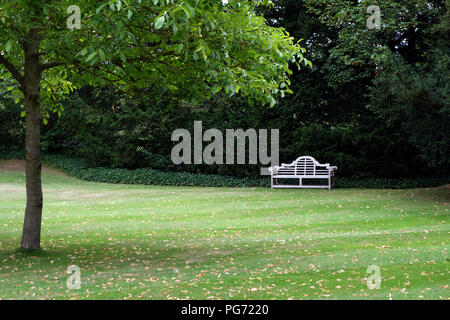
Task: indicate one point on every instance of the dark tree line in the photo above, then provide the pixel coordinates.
(375, 103)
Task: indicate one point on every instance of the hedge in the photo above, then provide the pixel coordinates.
(79, 169)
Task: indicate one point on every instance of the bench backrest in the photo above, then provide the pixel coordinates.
(304, 166)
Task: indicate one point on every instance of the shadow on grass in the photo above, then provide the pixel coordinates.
(38, 253)
(41, 252)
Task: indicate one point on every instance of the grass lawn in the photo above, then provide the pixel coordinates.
(149, 242)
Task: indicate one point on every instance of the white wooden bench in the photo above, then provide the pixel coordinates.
(303, 168)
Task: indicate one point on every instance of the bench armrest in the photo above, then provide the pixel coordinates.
(326, 165)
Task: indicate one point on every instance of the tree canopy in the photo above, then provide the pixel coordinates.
(188, 49)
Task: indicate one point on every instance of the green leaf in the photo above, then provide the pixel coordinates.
(91, 56)
(273, 102)
(8, 46)
(100, 7)
(178, 48)
(159, 22)
(101, 54)
(83, 52)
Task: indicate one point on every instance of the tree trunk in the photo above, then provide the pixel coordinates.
(31, 235)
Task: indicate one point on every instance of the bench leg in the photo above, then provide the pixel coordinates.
(329, 183)
(271, 182)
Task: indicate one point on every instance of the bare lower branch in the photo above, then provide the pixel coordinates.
(12, 69)
(49, 65)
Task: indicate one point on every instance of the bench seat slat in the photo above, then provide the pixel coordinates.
(302, 176)
(297, 186)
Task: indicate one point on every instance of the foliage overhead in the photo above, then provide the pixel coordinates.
(189, 49)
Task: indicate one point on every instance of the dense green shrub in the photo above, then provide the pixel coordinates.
(414, 101)
(111, 131)
(12, 131)
(79, 169)
(12, 155)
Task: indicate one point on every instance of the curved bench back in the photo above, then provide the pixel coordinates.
(305, 165)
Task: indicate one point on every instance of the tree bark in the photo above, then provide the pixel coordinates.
(31, 235)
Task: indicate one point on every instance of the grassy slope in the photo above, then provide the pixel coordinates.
(199, 243)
